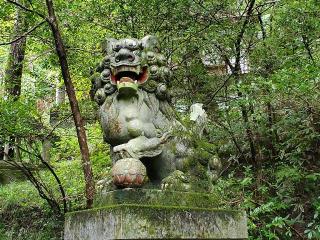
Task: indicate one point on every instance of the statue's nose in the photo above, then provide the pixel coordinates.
(124, 55)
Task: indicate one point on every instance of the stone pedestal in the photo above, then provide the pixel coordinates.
(152, 220)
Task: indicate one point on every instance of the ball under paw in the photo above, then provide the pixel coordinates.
(129, 172)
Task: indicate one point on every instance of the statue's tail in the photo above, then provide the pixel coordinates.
(199, 116)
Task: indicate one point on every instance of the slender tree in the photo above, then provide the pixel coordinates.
(82, 138)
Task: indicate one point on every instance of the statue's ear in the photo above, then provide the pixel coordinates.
(107, 45)
(150, 43)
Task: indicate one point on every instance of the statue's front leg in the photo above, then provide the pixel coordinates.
(142, 146)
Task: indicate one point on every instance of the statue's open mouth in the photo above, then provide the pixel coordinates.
(129, 74)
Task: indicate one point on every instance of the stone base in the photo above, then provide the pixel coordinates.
(155, 222)
(155, 214)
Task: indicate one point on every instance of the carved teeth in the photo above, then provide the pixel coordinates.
(135, 81)
(135, 69)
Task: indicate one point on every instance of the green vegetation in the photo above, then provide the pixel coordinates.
(29, 222)
(19, 200)
(254, 65)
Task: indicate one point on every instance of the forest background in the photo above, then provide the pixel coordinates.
(254, 64)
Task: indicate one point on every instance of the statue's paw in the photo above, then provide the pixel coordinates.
(176, 181)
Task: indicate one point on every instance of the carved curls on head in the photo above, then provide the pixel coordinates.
(149, 43)
(107, 46)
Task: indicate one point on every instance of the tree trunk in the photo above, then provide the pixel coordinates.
(236, 72)
(60, 93)
(13, 71)
(45, 151)
(17, 153)
(272, 135)
(6, 149)
(82, 138)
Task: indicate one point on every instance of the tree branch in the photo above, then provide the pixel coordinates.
(218, 90)
(42, 190)
(58, 124)
(61, 189)
(240, 37)
(27, 9)
(23, 35)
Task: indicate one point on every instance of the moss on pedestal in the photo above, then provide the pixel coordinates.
(158, 198)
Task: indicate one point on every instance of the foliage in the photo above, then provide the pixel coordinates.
(19, 118)
(67, 162)
(265, 124)
(25, 196)
(273, 207)
(40, 224)
(18, 200)
(19, 193)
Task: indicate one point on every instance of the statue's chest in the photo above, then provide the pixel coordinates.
(133, 110)
(129, 110)
(127, 119)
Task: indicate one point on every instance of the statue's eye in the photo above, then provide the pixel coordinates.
(117, 47)
(132, 45)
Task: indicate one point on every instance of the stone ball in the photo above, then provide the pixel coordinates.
(129, 172)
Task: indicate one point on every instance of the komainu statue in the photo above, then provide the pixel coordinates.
(147, 142)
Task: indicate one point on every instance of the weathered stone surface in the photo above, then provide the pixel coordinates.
(129, 221)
